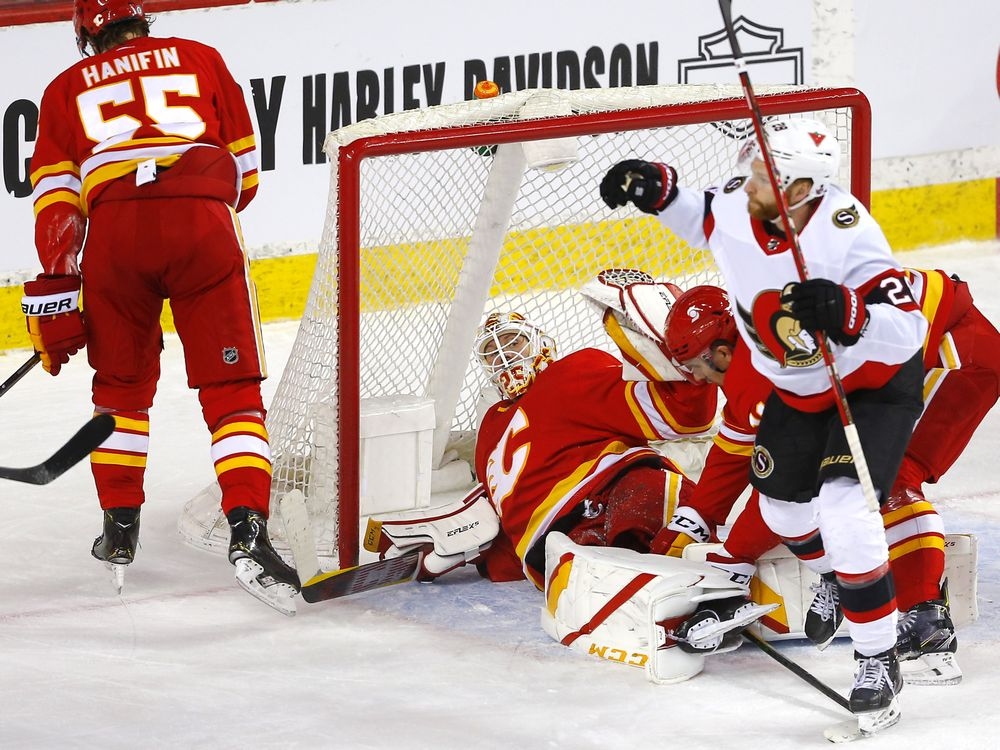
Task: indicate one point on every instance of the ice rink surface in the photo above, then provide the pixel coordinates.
(185, 659)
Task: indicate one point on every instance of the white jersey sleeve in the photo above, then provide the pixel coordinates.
(840, 242)
(685, 216)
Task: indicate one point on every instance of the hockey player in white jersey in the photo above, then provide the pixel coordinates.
(856, 295)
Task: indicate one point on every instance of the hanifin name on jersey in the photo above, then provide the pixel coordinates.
(131, 63)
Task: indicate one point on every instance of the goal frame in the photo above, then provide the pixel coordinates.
(350, 157)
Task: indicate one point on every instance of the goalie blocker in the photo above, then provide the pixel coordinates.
(450, 535)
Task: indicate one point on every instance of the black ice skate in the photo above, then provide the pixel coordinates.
(717, 626)
(824, 616)
(259, 569)
(873, 699)
(116, 545)
(877, 682)
(926, 644)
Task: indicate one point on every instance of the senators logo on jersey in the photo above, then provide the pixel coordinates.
(761, 462)
(734, 184)
(776, 333)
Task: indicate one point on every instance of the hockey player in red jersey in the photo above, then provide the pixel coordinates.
(567, 446)
(962, 363)
(857, 298)
(147, 148)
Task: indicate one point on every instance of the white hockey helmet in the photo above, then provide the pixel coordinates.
(512, 351)
(802, 149)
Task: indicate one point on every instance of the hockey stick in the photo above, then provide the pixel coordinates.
(319, 585)
(850, 429)
(360, 578)
(78, 447)
(20, 372)
(795, 669)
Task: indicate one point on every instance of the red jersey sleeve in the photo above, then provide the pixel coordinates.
(727, 467)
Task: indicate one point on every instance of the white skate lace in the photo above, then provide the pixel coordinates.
(826, 601)
(871, 673)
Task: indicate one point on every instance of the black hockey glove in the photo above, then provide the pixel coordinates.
(650, 186)
(822, 305)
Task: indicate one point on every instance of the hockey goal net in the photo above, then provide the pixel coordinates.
(437, 217)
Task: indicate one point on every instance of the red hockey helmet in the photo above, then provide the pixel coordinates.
(700, 317)
(91, 16)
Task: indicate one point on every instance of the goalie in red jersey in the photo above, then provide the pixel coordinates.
(962, 378)
(567, 446)
(147, 149)
(565, 461)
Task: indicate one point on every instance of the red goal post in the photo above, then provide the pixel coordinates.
(430, 227)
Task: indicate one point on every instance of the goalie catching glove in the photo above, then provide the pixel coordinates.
(635, 308)
(451, 535)
(55, 323)
(822, 305)
(649, 186)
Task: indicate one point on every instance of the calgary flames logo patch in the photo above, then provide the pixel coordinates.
(777, 334)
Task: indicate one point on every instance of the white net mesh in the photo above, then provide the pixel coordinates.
(438, 230)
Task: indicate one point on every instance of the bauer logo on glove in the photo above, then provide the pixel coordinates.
(55, 323)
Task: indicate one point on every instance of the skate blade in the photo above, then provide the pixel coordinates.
(117, 571)
(709, 638)
(278, 596)
(931, 669)
(864, 725)
(821, 645)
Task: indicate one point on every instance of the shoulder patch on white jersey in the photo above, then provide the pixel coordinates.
(733, 184)
(845, 218)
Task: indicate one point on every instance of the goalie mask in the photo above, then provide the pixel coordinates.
(90, 17)
(512, 352)
(700, 317)
(802, 149)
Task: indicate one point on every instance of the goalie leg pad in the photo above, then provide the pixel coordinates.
(619, 605)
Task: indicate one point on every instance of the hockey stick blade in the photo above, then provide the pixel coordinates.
(355, 580)
(78, 447)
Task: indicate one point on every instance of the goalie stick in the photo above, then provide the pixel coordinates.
(78, 447)
(360, 578)
(20, 372)
(319, 585)
(850, 429)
